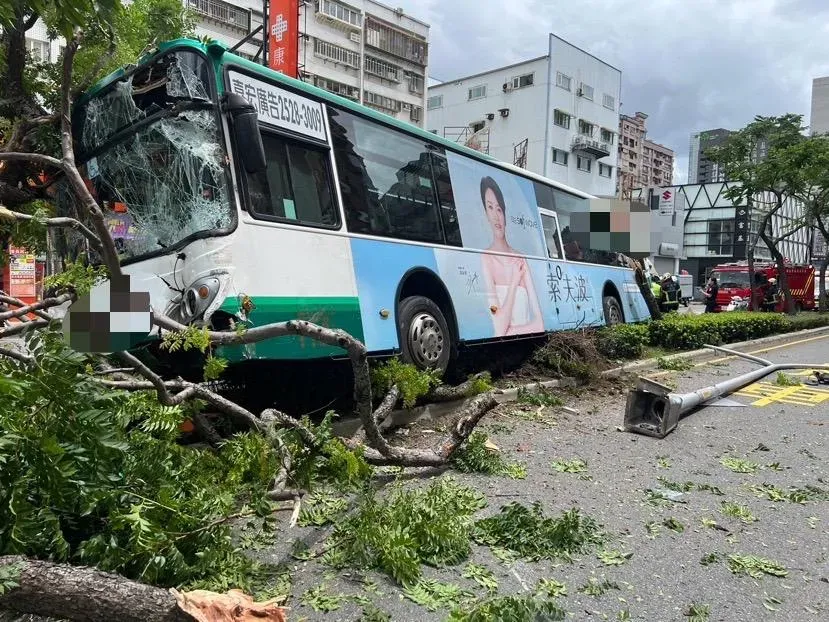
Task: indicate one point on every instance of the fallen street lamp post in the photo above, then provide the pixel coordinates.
(653, 410)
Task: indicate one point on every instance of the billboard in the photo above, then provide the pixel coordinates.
(283, 36)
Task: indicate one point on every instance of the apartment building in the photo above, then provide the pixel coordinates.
(642, 162)
(362, 49)
(819, 117)
(556, 115)
(701, 170)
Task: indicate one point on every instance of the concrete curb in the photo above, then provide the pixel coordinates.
(437, 411)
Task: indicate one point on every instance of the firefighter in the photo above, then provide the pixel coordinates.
(670, 292)
(771, 295)
(656, 288)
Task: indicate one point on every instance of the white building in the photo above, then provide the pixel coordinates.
(556, 115)
(362, 49)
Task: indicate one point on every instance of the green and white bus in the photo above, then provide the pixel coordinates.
(237, 194)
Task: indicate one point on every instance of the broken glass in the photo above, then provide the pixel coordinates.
(166, 180)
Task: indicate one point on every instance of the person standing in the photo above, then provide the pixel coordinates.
(711, 291)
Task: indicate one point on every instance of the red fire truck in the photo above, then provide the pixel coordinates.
(732, 279)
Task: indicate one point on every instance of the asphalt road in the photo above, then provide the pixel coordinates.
(784, 430)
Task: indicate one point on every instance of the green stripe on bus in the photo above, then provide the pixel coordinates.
(332, 312)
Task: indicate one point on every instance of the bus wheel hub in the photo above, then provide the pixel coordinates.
(426, 339)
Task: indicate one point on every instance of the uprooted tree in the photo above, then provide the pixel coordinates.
(91, 471)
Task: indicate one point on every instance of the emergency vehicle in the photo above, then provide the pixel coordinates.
(733, 282)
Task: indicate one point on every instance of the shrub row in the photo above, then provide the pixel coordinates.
(690, 332)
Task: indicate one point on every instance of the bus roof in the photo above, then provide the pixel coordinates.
(220, 51)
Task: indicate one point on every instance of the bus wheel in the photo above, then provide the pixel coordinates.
(612, 311)
(425, 340)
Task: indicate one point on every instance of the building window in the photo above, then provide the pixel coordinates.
(605, 170)
(586, 91)
(435, 101)
(720, 237)
(477, 92)
(416, 114)
(385, 104)
(386, 180)
(584, 164)
(585, 128)
(339, 12)
(608, 101)
(561, 118)
(395, 42)
(296, 186)
(38, 50)
(382, 69)
(338, 88)
(324, 49)
(520, 82)
(223, 12)
(563, 81)
(560, 157)
(607, 136)
(415, 83)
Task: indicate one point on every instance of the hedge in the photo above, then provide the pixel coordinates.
(690, 332)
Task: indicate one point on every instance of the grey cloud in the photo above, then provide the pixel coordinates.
(689, 65)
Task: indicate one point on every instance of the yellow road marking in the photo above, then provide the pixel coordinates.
(799, 395)
(731, 357)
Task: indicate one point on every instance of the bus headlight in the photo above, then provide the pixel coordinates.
(198, 296)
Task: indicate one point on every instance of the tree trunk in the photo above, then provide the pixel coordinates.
(86, 595)
(750, 256)
(782, 278)
(823, 304)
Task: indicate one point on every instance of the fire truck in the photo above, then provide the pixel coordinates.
(733, 282)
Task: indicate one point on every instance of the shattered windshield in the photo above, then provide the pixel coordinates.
(157, 161)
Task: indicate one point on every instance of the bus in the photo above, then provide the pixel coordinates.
(239, 196)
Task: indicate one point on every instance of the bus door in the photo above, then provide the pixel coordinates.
(558, 285)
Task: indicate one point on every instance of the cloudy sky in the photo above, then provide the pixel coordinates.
(689, 64)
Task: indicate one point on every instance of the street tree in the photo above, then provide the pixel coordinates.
(758, 176)
(807, 173)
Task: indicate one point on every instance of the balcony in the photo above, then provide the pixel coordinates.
(591, 146)
(224, 13)
(340, 16)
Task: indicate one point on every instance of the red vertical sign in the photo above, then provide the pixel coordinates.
(283, 36)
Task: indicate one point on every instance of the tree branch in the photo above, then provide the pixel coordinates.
(37, 158)
(58, 221)
(11, 353)
(37, 306)
(17, 303)
(109, 254)
(31, 21)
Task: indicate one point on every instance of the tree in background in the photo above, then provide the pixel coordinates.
(808, 171)
(774, 175)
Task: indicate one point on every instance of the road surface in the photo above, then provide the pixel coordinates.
(781, 434)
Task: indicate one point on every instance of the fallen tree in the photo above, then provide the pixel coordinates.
(88, 594)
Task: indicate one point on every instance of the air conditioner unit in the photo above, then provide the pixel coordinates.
(579, 92)
(507, 87)
(355, 37)
(407, 106)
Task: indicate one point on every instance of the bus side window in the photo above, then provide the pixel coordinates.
(296, 185)
(551, 236)
(446, 200)
(385, 180)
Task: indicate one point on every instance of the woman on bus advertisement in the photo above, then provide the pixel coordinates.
(506, 274)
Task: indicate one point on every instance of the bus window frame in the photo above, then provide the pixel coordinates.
(230, 170)
(316, 146)
(554, 215)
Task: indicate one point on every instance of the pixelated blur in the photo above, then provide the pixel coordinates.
(110, 318)
(613, 225)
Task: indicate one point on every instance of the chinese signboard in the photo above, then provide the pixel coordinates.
(22, 273)
(741, 231)
(283, 37)
(281, 108)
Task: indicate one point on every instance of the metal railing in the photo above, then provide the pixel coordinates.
(223, 12)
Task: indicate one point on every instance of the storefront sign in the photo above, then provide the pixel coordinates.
(22, 273)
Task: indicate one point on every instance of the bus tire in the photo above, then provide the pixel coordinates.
(425, 338)
(612, 311)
